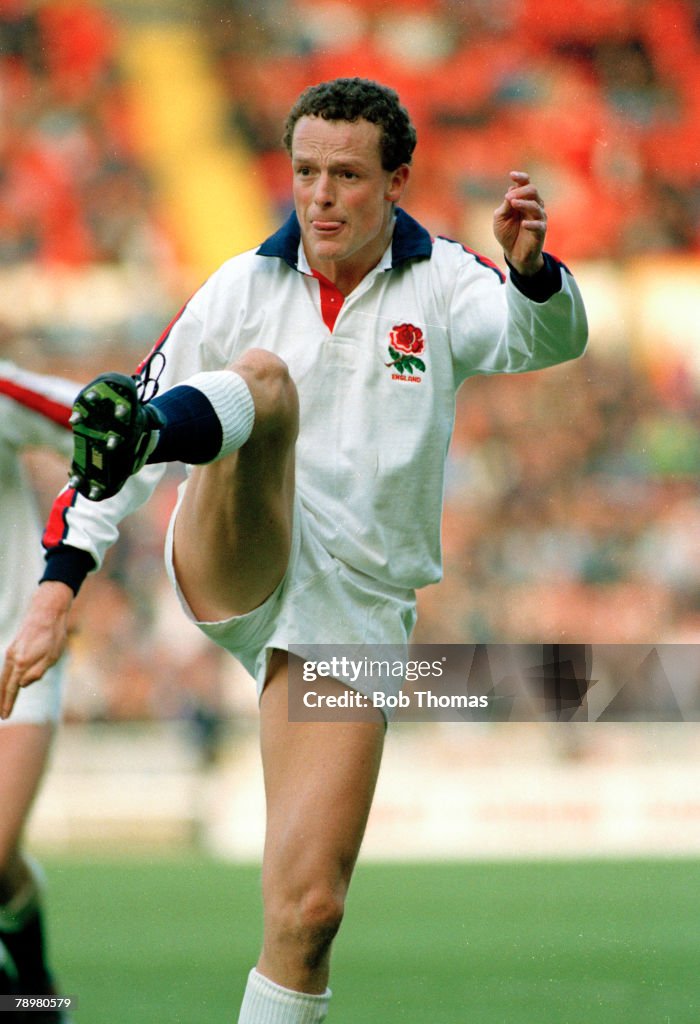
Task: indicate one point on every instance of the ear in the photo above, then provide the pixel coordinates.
(397, 182)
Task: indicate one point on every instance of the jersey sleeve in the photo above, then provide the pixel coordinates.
(512, 324)
(79, 532)
(36, 408)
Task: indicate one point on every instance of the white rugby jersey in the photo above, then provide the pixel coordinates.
(376, 371)
(34, 411)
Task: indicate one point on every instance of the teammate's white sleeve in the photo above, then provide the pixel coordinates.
(504, 327)
(36, 408)
(34, 412)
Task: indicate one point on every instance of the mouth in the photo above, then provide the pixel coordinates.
(326, 227)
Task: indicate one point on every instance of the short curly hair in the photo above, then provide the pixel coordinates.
(349, 99)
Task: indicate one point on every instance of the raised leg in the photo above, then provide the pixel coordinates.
(234, 527)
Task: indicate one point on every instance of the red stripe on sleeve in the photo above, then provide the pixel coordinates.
(47, 407)
(483, 260)
(163, 338)
(56, 526)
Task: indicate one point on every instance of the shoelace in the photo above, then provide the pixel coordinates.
(147, 385)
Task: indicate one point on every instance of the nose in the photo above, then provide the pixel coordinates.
(323, 194)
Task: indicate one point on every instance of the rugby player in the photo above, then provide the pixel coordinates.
(34, 413)
(310, 385)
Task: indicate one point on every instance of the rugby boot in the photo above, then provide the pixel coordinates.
(112, 435)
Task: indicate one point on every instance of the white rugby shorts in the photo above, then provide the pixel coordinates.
(320, 600)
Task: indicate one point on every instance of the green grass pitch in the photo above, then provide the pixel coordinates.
(478, 943)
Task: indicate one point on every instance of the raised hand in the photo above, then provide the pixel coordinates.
(520, 224)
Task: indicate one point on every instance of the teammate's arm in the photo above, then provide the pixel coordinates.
(39, 644)
(37, 411)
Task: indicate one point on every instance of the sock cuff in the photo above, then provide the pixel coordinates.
(269, 1002)
(232, 402)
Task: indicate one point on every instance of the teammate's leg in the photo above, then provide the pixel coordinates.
(319, 783)
(24, 750)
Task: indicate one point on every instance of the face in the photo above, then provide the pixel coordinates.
(343, 197)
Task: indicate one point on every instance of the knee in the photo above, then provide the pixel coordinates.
(308, 923)
(274, 393)
(320, 914)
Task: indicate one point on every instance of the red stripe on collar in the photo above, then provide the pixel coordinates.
(331, 300)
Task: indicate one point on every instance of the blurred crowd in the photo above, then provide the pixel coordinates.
(602, 108)
(601, 105)
(72, 191)
(572, 511)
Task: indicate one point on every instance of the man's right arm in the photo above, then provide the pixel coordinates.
(77, 536)
(79, 532)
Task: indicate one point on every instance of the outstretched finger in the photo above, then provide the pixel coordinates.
(9, 687)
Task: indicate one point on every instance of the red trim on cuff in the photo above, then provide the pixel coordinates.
(56, 526)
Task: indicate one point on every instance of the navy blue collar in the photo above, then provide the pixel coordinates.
(410, 242)
(285, 242)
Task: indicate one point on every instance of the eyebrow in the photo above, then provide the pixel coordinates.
(348, 163)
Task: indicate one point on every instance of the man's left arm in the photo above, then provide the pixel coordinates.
(537, 319)
(520, 227)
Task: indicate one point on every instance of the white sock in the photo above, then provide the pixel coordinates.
(265, 1002)
(232, 402)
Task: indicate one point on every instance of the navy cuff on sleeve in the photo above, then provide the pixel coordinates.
(68, 565)
(540, 286)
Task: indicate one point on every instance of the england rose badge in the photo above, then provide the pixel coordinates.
(406, 345)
